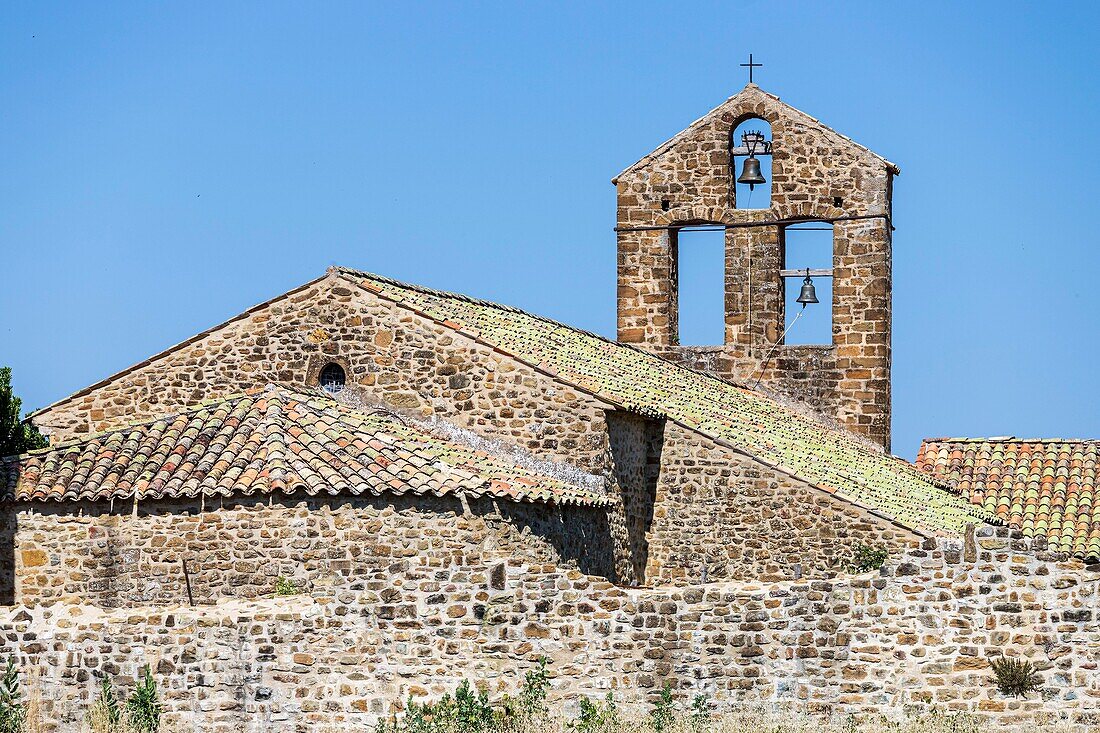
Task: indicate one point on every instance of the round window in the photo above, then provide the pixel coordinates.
(332, 378)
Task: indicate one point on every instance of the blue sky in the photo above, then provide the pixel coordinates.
(165, 166)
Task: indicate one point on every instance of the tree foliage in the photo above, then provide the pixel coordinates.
(16, 436)
(13, 714)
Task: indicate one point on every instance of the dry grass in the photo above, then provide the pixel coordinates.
(773, 719)
(765, 718)
(34, 722)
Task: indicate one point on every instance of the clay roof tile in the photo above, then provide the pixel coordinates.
(276, 440)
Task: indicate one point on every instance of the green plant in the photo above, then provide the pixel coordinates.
(13, 714)
(105, 715)
(530, 705)
(663, 713)
(286, 587)
(143, 705)
(700, 714)
(473, 713)
(596, 716)
(1014, 676)
(468, 711)
(15, 436)
(867, 558)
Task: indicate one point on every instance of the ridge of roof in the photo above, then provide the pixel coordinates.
(278, 439)
(799, 458)
(1009, 439)
(750, 87)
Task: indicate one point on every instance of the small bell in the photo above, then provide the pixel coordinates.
(750, 173)
(809, 293)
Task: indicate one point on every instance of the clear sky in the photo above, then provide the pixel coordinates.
(164, 166)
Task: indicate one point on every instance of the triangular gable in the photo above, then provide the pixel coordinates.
(750, 94)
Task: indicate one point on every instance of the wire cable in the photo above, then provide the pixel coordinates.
(767, 358)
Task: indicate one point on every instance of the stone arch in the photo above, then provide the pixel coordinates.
(693, 215)
(317, 362)
(746, 197)
(813, 210)
(811, 244)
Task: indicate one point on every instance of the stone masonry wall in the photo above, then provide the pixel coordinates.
(396, 357)
(107, 556)
(816, 174)
(722, 515)
(920, 632)
(636, 444)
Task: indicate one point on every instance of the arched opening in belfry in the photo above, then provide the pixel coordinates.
(699, 276)
(807, 253)
(751, 160)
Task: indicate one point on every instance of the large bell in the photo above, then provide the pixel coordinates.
(809, 293)
(750, 173)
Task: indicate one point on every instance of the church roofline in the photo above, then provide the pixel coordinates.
(1009, 439)
(350, 276)
(667, 144)
(351, 273)
(171, 349)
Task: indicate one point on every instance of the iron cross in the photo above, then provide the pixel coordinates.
(750, 64)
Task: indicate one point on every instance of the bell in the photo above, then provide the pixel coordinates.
(809, 293)
(750, 173)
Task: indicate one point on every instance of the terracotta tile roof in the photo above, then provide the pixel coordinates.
(1045, 488)
(277, 440)
(747, 421)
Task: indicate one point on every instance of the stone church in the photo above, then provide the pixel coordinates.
(357, 430)
(374, 403)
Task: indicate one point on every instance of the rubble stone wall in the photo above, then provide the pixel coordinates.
(920, 632)
(124, 556)
(721, 514)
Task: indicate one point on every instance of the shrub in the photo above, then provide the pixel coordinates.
(105, 715)
(1015, 677)
(530, 705)
(143, 706)
(596, 717)
(700, 714)
(867, 558)
(13, 714)
(473, 713)
(286, 587)
(468, 711)
(663, 714)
